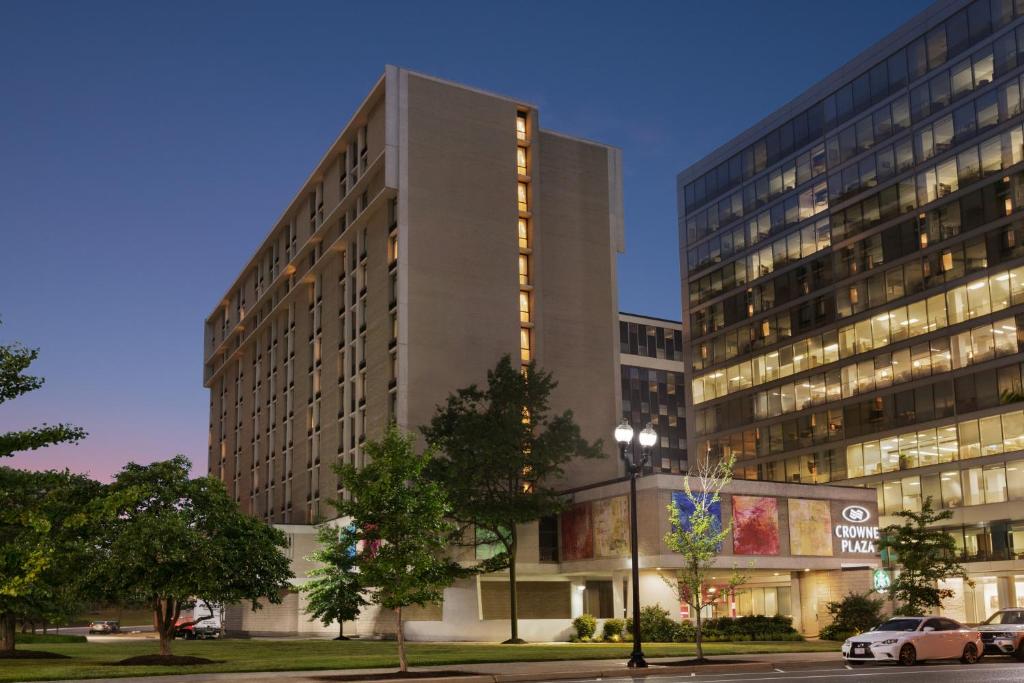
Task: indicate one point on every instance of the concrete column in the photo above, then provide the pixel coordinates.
(576, 598)
(1007, 599)
(620, 597)
(795, 601)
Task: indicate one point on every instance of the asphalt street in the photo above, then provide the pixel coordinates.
(995, 670)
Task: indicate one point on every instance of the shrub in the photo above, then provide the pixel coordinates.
(655, 625)
(614, 638)
(855, 613)
(835, 632)
(585, 625)
(613, 627)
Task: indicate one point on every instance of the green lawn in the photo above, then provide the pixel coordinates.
(92, 660)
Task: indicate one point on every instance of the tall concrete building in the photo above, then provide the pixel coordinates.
(853, 287)
(651, 367)
(442, 229)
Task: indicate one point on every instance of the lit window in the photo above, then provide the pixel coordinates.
(524, 307)
(521, 126)
(524, 345)
(521, 160)
(392, 248)
(524, 234)
(522, 197)
(524, 270)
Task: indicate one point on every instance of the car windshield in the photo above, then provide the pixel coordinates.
(1008, 617)
(899, 625)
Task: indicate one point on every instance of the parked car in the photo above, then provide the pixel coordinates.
(1003, 633)
(909, 640)
(105, 627)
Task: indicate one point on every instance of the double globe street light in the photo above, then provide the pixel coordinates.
(634, 467)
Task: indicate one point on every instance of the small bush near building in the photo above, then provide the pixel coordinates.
(758, 627)
(854, 614)
(613, 629)
(585, 625)
(655, 625)
(658, 627)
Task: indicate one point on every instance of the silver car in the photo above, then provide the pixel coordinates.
(1003, 633)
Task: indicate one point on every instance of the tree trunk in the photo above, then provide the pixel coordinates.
(697, 638)
(403, 662)
(7, 628)
(513, 593)
(165, 617)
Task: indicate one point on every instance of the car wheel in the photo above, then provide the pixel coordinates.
(908, 655)
(970, 655)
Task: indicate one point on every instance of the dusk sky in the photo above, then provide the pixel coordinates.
(147, 148)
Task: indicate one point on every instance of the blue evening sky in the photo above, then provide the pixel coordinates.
(146, 148)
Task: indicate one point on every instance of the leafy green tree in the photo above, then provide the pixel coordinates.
(499, 453)
(926, 555)
(699, 538)
(401, 520)
(14, 361)
(168, 540)
(335, 591)
(855, 613)
(45, 540)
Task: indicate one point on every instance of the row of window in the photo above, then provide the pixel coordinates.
(962, 30)
(918, 275)
(966, 393)
(524, 199)
(652, 341)
(954, 488)
(986, 204)
(965, 440)
(979, 297)
(887, 369)
(799, 244)
(966, 121)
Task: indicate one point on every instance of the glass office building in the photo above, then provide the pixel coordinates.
(853, 286)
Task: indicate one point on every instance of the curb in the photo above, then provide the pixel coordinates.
(653, 670)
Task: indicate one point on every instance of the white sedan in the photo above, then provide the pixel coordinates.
(909, 640)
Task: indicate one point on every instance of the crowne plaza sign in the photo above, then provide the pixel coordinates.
(856, 533)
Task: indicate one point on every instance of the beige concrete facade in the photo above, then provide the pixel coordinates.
(394, 277)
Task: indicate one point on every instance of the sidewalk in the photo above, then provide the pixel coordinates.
(521, 672)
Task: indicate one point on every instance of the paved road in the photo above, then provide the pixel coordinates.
(994, 670)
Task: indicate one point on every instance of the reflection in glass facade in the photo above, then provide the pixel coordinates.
(853, 279)
(650, 360)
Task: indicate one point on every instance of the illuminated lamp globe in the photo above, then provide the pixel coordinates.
(648, 436)
(624, 433)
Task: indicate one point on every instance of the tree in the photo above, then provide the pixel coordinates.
(14, 361)
(698, 538)
(168, 540)
(499, 452)
(335, 592)
(45, 540)
(926, 555)
(400, 518)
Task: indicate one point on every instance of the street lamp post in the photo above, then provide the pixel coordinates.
(634, 467)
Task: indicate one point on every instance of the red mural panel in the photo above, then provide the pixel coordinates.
(577, 533)
(755, 525)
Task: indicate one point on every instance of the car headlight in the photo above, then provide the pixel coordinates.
(890, 641)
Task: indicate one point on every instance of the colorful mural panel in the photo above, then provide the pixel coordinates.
(686, 508)
(755, 525)
(810, 527)
(577, 533)
(611, 527)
